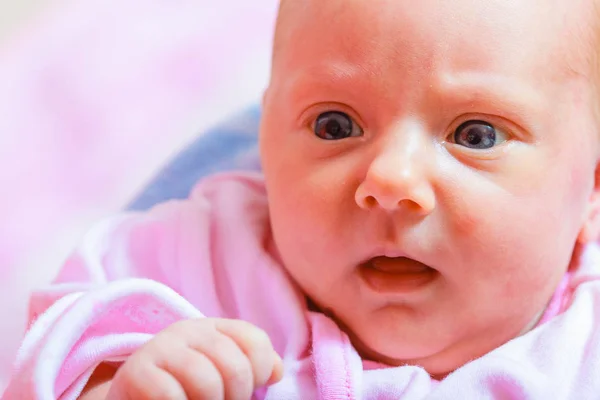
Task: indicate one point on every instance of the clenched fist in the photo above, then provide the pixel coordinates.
(199, 359)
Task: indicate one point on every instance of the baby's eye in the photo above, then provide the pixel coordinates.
(478, 135)
(335, 125)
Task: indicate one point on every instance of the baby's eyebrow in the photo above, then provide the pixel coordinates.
(333, 77)
(519, 100)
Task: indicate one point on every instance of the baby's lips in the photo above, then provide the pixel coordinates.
(277, 373)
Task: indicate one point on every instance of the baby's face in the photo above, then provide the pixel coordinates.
(430, 166)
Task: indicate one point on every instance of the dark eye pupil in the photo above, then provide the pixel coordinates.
(474, 138)
(475, 135)
(333, 126)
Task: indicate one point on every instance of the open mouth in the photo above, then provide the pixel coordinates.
(396, 274)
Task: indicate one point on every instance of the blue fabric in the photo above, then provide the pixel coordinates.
(232, 145)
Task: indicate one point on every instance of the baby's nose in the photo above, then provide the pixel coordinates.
(399, 176)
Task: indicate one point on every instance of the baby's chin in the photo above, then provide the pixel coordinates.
(385, 340)
(434, 354)
(434, 359)
(438, 355)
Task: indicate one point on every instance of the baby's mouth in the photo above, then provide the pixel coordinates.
(396, 274)
(397, 265)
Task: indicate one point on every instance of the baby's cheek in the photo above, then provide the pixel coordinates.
(302, 220)
(461, 216)
(475, 210)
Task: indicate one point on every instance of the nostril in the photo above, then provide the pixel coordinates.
(409, 205)
(370, 201)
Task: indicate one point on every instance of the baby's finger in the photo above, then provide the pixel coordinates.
(196, 373)
(267, 366)
(233, 365)
(140, 379)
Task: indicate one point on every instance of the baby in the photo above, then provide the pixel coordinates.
(424, 227)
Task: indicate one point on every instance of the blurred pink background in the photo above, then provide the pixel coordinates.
(95, 95)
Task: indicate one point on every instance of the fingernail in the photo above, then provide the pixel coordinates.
(277, 373)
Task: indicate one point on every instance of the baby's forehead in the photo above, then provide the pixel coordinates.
(562, 33)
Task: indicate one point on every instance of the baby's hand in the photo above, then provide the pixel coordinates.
(200, 359)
